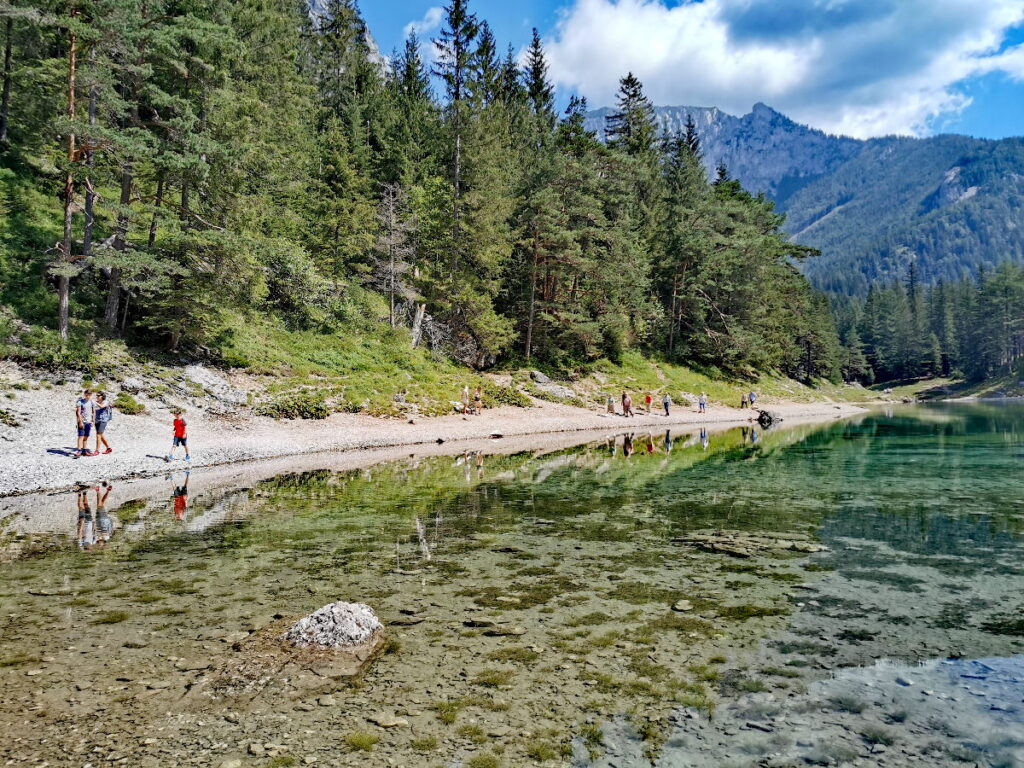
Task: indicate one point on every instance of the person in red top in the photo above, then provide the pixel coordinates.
(180, 435)
(648, 400)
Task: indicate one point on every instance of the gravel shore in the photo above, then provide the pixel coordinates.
(39, 450)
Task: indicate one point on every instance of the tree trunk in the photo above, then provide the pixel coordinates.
(156, 208)
(391, 288)
(456, 193)
(120, 245)
(5, 99)
(417, 325)
(530, 311)
(64, 282)
(672, 316)
(90, 195)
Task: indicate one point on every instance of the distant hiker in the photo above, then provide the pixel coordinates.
(465, 398)
(180, 435)
(104, 414)
(648, 400)
(611, 404)
(753, 398)
(702, 403)
(743, 401)
(85, 414)
(478, 400)
(627, 404)
(666, 402)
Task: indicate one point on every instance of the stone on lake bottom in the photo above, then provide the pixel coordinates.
(336, 625)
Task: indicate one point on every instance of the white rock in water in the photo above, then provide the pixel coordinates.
(337, 625)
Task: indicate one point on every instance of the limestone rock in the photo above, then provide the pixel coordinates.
(336, 625)
(387, 720)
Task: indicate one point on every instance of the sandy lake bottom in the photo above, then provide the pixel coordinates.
(843, 594)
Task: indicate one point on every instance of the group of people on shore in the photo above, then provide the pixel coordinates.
(96, 414)
(666, 403)
(477, 406)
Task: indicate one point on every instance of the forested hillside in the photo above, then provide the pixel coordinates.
(951, 204)
(203, 177)
(973, 327)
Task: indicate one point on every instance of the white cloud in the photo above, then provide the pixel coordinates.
(425, 29)
(859, 67)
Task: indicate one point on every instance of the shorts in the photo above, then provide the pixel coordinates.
(84, 430)
(100, 426)
(182, 441)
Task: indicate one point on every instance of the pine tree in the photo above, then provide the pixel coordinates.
(631, 128)
(539, 90)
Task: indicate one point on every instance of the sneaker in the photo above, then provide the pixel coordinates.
(188, 458)
(109, 450)
(167, 457)
(91, 453)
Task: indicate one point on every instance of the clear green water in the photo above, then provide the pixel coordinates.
(571, 556)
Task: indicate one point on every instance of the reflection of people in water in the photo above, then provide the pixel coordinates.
(86, 528)
(744, 434)
(180, 496)
(480, 466)
(104, 523)
(754, 437)
(627, 445)
(668, 441)
(704, 441)
(650, 444)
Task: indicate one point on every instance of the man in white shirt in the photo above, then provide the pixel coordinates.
(85, 414)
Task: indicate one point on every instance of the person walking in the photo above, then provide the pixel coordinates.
(180, 435)
(611, 404)
(743, 401)
(85, 414)
(104, 414)
(702, 403)
(753, 398)
(478, 400)
(627, 404)
(465, 398)
(647, 401)
(666, 402)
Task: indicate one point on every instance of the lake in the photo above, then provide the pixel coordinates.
(846, 593)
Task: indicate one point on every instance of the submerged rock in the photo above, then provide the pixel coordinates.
(336, 625)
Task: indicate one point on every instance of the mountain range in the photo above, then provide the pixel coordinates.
(953, 204)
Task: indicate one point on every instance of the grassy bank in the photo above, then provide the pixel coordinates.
(374, 369)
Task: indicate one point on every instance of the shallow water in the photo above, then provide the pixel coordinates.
(529, 599)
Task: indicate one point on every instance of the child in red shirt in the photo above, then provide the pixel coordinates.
(180, 436)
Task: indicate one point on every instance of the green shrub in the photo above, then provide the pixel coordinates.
(496, 394)
(299, 405)
(127, 404)
(361, 741)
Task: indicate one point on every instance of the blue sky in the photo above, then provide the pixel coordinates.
(859, 67)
